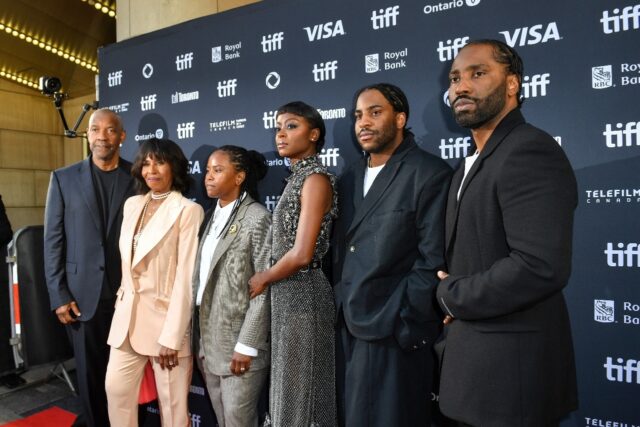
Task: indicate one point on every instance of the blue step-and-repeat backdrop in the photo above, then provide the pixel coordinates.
(219, 79)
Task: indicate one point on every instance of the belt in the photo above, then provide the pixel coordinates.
(311, 266)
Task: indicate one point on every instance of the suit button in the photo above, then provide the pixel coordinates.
(424, 342)
(352, 248)
(101, 268)
(415, 347)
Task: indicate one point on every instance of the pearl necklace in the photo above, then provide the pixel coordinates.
(155, 196)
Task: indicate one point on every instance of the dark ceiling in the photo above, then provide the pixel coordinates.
(74, 26)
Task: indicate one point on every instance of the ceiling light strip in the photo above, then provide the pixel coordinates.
(19, 78)
(102, 6)
(83, 62)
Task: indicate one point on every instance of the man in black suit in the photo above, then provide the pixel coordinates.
(388, 246)
(83, 216)
(507, 360)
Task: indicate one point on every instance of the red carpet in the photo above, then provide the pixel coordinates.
(52, 417)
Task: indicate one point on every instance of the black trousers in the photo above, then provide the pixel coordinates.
(91, 353)
(380, 384)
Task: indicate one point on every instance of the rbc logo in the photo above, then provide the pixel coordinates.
(604, 311)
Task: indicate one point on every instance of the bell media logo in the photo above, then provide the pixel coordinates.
(601, 77)
(604, 310)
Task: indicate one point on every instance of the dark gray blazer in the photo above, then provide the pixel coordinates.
(388, 247)
(508, 357)
(78, 253)
(227, 315)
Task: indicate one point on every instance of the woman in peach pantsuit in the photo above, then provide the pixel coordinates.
(152, 316)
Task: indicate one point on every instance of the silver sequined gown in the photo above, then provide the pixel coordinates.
(302, 390)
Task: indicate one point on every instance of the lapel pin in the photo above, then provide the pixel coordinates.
(233, 229)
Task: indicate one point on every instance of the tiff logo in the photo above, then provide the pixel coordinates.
(227, 88)
(622, 372)
(185, 130)
(450, 50)
(626, 137)
(115, 78)
(184, 61)
(326, 71)
(272, 42)
(621, 21)
(195, 420)
(269, 119)
(148, 102)
(455, 148)
(385, 17)
(623, 257)
(271, 202)
(329, 156)
(535, 85)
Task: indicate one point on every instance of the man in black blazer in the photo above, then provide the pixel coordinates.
(388, 246)
(507, 360)
(83, 216)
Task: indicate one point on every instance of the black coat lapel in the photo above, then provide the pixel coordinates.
(89, 193)
(122, 191)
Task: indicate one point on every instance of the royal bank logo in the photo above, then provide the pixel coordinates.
(391, 60)
(385, 18)
(216, 54)
(625, 20)
(119, 108)
(114, 78)
(604, 311)
(232, 124)
(601, 77)
(372, 63)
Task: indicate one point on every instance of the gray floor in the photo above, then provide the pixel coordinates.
(41, 390)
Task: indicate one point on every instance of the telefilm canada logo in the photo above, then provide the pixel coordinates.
(232, 124)
(391, 60)
(612, 196)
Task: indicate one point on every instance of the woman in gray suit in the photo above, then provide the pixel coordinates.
(231, 331)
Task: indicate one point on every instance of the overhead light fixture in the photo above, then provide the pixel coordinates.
(102, 6)
(19, 78)
(49, 47)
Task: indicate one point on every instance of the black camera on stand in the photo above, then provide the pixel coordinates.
(52, 87)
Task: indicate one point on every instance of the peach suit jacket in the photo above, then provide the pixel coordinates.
(153, 304)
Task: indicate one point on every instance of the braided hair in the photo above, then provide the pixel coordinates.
(254, 166)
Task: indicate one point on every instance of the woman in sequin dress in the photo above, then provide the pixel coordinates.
(302, 391)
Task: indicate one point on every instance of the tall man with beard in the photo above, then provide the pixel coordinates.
(507, 358)
(83, 216)
(388, 245)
